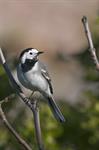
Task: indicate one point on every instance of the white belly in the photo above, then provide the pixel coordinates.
(36, 81)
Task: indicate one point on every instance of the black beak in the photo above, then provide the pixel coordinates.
(40, 53)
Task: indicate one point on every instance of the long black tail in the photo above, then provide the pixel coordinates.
(55, 109)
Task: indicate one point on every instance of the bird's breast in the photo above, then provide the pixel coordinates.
(36, 80)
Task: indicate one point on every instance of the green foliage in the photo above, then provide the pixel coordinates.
(79, 132)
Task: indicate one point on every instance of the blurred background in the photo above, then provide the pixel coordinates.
(55, 27)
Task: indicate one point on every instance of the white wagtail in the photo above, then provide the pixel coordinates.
(33, 75)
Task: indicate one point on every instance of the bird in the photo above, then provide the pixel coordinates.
(33, 75)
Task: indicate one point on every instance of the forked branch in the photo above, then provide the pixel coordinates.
(32, 106)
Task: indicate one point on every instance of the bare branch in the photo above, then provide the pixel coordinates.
(90, 42)
(12, 130)
(32, 106)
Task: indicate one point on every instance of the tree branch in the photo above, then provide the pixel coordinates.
(32, 106)
(37, 125)
(11, 129)
(90, 42)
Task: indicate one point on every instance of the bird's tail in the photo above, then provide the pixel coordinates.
(55, 109)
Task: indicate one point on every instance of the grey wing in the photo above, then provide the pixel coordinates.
(46, 75)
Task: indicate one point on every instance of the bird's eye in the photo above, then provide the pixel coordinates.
(30, 53)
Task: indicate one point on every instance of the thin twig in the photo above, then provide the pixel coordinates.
(90, 42)
(7, 99)
(27, 101)
(12, 130)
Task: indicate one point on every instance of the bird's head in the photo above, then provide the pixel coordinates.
(29, 55)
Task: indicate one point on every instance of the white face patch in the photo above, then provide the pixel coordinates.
(31, 54)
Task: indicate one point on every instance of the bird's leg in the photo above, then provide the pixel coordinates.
(31, 95)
